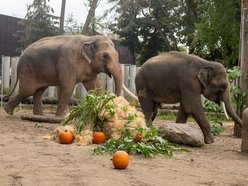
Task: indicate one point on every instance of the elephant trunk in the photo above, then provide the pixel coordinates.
(229, 108)
(117, 75)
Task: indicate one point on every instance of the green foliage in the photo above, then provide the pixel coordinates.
(234, 73)
(74, 28)
(217, 34)
(166, 116)
(238, 96)
(72, 25)
(39, 23)
(209, 29)
(150, 145)
(88, 111)
(130, 117)
(215, 116)
(148, 27)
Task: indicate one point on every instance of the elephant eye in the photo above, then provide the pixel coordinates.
(105, 56)
(223, 87)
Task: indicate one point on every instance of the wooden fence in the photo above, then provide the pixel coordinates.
(9, 75)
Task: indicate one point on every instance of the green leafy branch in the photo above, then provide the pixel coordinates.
(237, 95)
(88, 111)
(150, 145)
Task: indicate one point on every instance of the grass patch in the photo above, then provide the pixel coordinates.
(166, 116)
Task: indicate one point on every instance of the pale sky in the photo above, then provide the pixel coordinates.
(18, 8)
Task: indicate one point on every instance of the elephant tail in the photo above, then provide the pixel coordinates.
(12, 91)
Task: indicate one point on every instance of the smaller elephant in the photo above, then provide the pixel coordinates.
(64, 61)
(179, 77)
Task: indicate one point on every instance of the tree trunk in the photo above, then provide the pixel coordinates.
(90, 15)
(243, 58)
(62, 17)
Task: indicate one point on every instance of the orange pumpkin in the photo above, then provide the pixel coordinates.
(120, 159)
(98, 137)
(138, 138)
(65, 137)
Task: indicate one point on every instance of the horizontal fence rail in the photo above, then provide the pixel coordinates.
(9, 76)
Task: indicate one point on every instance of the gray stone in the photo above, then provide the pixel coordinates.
(181, 133)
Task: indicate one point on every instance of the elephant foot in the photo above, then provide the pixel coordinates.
(149, 125)
(209, 139)
(59, 115)
(8, 109)
(39, 113)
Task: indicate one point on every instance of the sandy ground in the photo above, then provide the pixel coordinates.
(27, 159)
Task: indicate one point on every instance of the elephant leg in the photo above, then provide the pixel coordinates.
(194, 107)
(64, 98)
(12, 103)
(149, 109)
(182, 116)
(155, 111)
(37, 98)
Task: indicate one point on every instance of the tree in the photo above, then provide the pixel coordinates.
(217, 33)
(90, 16)
(38, 23)
(209, 29)
(190, 17)
(62, 16)
(147, 26)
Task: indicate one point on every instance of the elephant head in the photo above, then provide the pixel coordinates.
(101, 54)
(216, 87)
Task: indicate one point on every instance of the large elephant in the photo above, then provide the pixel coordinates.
(179, 77)
(64, 61)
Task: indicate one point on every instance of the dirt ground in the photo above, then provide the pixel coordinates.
(27, 159)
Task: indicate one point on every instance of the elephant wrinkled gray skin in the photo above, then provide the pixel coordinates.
(179, 77)
(64, 61)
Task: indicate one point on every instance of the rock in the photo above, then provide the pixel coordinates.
(181, 133)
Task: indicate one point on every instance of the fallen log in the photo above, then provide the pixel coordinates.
(38, 118)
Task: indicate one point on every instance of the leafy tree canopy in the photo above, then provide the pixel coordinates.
(208, 28)
(39, 23)
(217, 34)
(147, 26)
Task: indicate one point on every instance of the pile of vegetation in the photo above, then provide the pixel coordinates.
(142, 140)
(147, 142)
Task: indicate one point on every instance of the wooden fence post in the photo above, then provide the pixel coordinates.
(51, 91)
(14, 63)
(103, 80)
(126, 79)
(110, 85)
(122, 71)
(132, 78)
(6, 72)
(80, 91)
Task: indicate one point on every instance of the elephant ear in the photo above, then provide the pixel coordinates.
(205, 75)
(88, 50)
